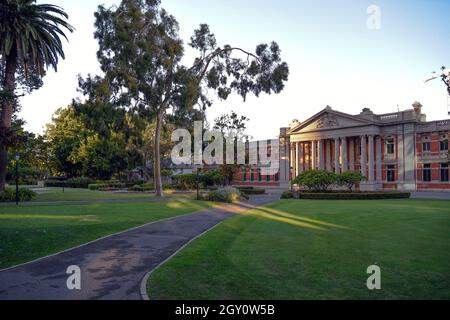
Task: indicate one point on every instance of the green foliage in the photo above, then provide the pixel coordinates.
(9, 195)
(287, 195)
(147, 71)
(227, 194)
(78, 148)
(354, 195)
(350, 179)
(316, 180)
(252, 191)
(76, 183)
(211, 178)
(205, 179)
(185, 181)
(109, 185)
(143, 188)
(32, 32)
(30, 42)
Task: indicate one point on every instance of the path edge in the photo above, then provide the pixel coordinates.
(102, 238)
(145, 279)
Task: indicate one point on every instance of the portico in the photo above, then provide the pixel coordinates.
(338, 142)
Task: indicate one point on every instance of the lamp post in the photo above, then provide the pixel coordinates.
(17, 157)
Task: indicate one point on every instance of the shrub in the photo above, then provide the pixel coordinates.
(211, 178)
(142, 188)
(253, 191)
(77, 183)
(111, 185)
(354, 195)
(227, 194)
(350, 179)
(205, 179)
(243, 188)
(9, 195)
(185, 181)
(287, 195)
(316, 180)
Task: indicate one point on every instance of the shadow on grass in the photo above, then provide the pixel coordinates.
(285, 217)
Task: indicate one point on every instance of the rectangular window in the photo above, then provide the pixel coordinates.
(390, 147)
(244, 175)
(390, 171)
(444, 172)
(426, 147)
(427, 172)
(444, 145)
(259, 175)
(268, 178)
(252, 176)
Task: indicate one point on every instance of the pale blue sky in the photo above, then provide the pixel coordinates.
(334, 58)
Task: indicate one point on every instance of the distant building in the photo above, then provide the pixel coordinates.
(395, 151)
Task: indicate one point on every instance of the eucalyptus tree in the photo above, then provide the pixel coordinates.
(30, 42)
(140, 53)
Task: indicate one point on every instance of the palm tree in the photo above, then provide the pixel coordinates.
(30, 42)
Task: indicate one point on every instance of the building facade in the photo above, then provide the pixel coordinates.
(395, 151)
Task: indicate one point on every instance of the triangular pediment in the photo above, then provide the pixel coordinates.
(329, 119)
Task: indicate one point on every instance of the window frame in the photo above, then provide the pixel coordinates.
(428, 144)
(426, 169)
(444, 172)
(390, 173)
(390, 143)
(441, 144)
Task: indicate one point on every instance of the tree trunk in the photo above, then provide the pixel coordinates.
(157, 157)
(6, 112)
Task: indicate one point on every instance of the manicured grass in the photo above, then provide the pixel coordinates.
(31, 232)
(57, 194)
(306, 249)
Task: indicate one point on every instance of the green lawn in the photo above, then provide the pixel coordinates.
(300, 249)
(30, 232)
(57, 194)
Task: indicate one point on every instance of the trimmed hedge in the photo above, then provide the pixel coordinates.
(106, 186)
(253, 191)
(287, 195)
(142, 188)
(354, 196)
(76, 183)
(9, 195)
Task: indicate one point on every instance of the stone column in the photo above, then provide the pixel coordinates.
(321, 155)
(299, 158)
(313, 155)
(351, 147)
(328, 155)
(363, 156)
(371, 159)
(292, 162)
(379, 164)
(337, 166)
(344, 155)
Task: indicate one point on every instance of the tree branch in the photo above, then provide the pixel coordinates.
(210, 57)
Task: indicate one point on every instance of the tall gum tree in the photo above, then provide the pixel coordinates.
(30, 42)
(140, 54)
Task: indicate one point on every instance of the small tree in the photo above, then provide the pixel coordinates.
(350, 179)
(316, 180)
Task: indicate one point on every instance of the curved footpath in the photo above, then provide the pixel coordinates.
(113, 267)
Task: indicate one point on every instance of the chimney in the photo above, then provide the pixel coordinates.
(417, 107)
